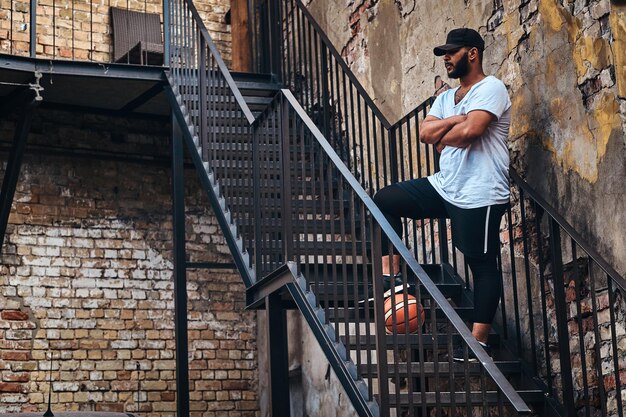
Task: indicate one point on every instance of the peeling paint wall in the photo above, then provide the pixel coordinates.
(564, 63)
(314, 388)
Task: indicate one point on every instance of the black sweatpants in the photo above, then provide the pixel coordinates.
(475, 232)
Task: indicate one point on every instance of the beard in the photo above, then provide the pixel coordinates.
(461, 68)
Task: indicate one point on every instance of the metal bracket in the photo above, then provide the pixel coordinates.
(36, 86)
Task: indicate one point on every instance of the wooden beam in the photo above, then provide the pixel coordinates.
(240, 31)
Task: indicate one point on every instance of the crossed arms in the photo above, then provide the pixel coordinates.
(457, 131)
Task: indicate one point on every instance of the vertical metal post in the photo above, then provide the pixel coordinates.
(166, 33)
(14, 163)
(33, 28)
(285, 141)
(180, 272)
(202, 97)
(278, 356)
(393, 155)
(325, 92)
(441, 223)
(561, 319)
(379, 320)
(275, 38)
(256, 184)
(252, 29)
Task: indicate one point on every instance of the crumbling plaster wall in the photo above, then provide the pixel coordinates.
(314, 389)
(564, 63)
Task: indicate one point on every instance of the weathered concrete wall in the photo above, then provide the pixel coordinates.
(86, 275)
(314, 387)
(564, 64)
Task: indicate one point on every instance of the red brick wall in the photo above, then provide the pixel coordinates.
(86, 274)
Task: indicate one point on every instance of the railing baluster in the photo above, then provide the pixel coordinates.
(167, 39)
(597, 339)
(579, 283)
(615, 350)
(542, 284)
(518, 330)
(379, 320)
(33, 28)
(561, 317)
(529, 293)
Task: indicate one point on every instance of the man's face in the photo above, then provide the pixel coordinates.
(457, 62)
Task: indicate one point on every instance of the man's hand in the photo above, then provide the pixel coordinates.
(433, 129)
(440, 147)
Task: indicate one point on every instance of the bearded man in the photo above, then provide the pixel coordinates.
(469, 125)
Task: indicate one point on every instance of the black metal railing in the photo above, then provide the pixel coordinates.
(306, 61)
(217, 112)
(289, 197)
(563, 314)
(83, 31)
(379, 153)
(332, 229)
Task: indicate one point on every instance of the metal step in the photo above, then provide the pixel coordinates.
(351, 313)
(451, 291)
(427, 369)
(412, 340)
(475, 398)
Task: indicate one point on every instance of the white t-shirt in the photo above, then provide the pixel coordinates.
(478, 175)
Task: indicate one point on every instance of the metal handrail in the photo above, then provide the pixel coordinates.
(569, 229)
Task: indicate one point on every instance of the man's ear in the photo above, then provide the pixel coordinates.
(473, 54)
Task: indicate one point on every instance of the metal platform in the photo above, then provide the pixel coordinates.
(118, 89)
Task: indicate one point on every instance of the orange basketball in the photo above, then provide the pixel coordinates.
(403, 313)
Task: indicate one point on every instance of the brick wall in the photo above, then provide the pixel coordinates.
(86, 274)
(81, 30)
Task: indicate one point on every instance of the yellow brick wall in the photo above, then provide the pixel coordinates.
(81, 29)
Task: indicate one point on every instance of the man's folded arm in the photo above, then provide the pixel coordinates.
(463, 134)
(433, 129)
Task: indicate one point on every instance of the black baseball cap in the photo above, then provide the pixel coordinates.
(458, 38)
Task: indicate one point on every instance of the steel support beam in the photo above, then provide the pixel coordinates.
(12, 172)
(278, 356)
(180, 272)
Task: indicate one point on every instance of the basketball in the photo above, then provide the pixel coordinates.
(403, 313)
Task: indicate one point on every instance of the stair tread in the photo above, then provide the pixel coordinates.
(475, 397)
(413, 340)
(448, 290)
(351, 313)
(428, 368)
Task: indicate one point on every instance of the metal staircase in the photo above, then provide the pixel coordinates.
(290, 172)
(289, 157)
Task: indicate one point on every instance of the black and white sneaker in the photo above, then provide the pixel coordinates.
(398, 287)
(458, 355)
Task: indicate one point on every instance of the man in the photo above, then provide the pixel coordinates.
(469, 126)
